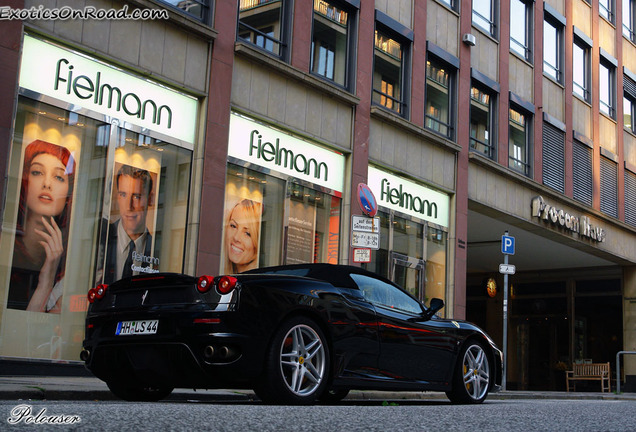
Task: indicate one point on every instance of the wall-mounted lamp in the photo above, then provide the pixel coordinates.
(469, 39)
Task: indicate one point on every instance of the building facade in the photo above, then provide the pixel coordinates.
(246, 127)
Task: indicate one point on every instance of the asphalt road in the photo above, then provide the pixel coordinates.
(434, 415)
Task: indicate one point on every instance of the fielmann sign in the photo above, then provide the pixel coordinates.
(82, 81)
(408, 197)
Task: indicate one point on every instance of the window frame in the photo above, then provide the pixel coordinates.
(608, 12)
(526, 46)
(351, 7)
(404, 36)
(491, 29)
(629, 94)
(581, 41)
(490, 87)
(557, 21)
(608, 63)
(527, 110)
(205, 5)
(451, 63)
(629, 31)
(285, 23)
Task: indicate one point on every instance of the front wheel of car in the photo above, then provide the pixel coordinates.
(472, 377)
(297, 367)
(139, 393)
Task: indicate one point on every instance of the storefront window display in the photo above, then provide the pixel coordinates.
(413, 250)
(90, 199)
(282, 199)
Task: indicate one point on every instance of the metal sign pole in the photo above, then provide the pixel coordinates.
(505, 325)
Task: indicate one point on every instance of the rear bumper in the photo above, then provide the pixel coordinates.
(182, 354)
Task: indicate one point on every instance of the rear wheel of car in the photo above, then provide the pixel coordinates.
(471, 380)
(139, 393)
(297, 366)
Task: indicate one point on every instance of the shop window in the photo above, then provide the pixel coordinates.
(436, 250)
(198, 9)
(553, 47)
(484, 15)
(629, 20)
(607, 88)
(439, 95)
(263, 23)
(390, 64)
(518, 135)
(482, 122)
(606, 10)
(581, 69)
(521, 31)
(332, 42)
(63, 187)
(271, 221)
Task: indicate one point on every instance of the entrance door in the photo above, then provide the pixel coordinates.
(408, 272)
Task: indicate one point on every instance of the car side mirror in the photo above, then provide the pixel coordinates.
(436, 305)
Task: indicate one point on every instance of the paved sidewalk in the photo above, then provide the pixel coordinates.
(90, 388)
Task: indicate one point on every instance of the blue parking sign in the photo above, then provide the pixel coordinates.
(507, 245)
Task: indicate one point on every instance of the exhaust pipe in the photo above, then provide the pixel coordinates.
(226, 352)
(85, 355)
(208, 352)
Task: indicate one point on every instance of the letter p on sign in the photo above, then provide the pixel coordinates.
(507, 245)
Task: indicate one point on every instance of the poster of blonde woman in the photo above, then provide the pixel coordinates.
(241, 232)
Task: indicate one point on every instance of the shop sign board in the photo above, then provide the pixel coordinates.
(272, 148)
(85, 82)
(362, 255)
(365, 224)
(408, 197)
(365, 240)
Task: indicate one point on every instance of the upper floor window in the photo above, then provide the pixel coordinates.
(581, 69)
(629, 101)
(440, 78)
(521, 31)
(629, 20)
(332, 31)
(484, 15)
(263, 23)
(518, 135)
(390, 65)
(482, 121)
(553, 48)
(452, 4)
(199, 9)
(607, 85)
(606, 9)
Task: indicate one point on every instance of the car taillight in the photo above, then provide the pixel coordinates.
(97, 293)
(204, 283)
(226, 284)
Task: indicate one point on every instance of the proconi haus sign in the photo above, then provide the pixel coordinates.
(560, 218)
(85, 82)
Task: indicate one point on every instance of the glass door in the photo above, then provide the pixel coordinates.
(408, 272)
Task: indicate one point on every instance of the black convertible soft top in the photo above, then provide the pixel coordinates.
(337, 275)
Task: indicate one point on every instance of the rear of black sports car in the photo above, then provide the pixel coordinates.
(169, 329)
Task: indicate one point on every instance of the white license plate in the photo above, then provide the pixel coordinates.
(136, 327)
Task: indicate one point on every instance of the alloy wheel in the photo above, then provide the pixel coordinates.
(476, 372)
(302, 360)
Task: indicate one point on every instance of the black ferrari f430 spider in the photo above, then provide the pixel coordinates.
(294, 334)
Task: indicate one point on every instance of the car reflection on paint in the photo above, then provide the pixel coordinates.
(294, 334)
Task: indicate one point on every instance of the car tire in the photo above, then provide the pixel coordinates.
(472, 377)
(297, 364)
(333, 396)
(139, 393)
